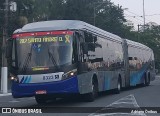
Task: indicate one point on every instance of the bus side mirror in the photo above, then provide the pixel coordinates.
(9, 48)
(85, 48)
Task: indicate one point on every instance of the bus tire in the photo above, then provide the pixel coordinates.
(41, 99)
(148, 80)
(90, 97)
(119, 86)
(144, 81)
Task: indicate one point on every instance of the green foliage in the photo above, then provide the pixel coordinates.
(107, 16)
(151, 38)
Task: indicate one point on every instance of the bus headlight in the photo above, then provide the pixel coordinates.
(14, 78)
(69, 74)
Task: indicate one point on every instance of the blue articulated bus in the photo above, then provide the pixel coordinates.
(51, 59)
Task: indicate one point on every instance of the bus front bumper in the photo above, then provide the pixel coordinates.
(68, 86)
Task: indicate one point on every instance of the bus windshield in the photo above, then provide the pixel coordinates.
(35, 52)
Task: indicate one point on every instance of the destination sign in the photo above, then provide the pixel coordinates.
(65, 39)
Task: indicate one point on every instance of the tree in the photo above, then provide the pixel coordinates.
(151, 38)
(107, 16)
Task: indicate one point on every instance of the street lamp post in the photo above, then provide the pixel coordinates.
(143, 16)
(94, 14)
(4, 69)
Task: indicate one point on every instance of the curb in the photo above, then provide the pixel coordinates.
(6, 94)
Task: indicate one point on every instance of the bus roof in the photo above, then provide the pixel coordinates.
(65, 25)
(136, 44)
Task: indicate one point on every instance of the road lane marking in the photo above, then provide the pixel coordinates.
(31, 98)
(123, 103)
(135, 102)
(14, 101)
(18, 100)
(25, 99)
(120, 104)
(21, 100)
(130, 97)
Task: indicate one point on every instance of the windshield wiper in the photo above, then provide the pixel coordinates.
(52, 58)
(27, 59)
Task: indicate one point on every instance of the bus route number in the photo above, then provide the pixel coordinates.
(51, 77)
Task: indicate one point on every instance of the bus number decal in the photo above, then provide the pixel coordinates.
(56, 77)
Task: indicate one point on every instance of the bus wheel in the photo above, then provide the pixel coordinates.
(41, 99)
(90, 97)
(144, 80)
(118, 89)
(148, 80)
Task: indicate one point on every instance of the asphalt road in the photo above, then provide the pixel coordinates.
(135, 101)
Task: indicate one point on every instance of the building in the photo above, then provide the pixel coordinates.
(129, 24)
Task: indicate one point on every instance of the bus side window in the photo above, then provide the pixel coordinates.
(79, 39)
(135, 58)
(130, 58)
(88, 37)
(90, 41)
(75, 49)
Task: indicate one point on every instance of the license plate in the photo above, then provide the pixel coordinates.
(41, 92)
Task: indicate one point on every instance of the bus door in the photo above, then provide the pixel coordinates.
(81, 59)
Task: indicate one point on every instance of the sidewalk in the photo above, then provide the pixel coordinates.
(7, 94)
(9, 89)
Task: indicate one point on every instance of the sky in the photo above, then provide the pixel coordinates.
(135, 8)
